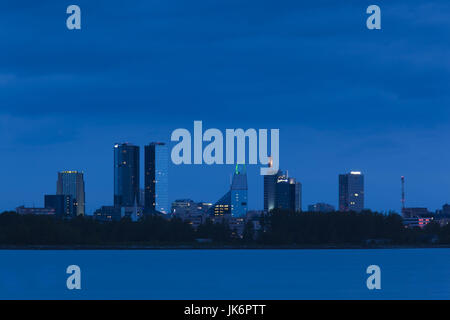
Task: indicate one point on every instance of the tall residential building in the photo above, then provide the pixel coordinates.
(108, 213)
(351, 191)
(222, 208)
(282, 192)
(156, 177)
(72, 183)
(126, 175)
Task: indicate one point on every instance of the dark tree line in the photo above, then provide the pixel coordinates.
(338, 228)
(46, 230)
(279, 228)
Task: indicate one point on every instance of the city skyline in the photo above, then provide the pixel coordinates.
(280, 191)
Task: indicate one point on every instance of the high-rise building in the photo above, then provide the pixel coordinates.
(351, 191)
(270, 183)
(126, 175)
(239, 193)
(72, 183)
(157, 177)
(234, 202)
(282, 192)
(288, 193)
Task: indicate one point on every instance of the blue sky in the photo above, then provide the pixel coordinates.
(344, 97)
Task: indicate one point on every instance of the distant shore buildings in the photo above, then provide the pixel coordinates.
(126, 175)
(195, 213)
(280, 191)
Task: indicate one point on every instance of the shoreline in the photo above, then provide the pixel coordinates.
(211, 247)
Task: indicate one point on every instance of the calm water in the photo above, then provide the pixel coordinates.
(226, 274)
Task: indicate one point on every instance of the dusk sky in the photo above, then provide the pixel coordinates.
(344, 97)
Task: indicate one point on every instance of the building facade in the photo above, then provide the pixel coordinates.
(72, 183)
(270, 183)
(156, 177)
(351, 192)
(63, 205)
(108, 213)
(282, 192)
(234, 203)
(239, 193)
(126, 175)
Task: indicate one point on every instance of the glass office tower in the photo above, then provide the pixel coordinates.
(282, 192)
(239, 193)
(270, 183)
(126, 175)
(156, 178)
(351, 191)
(72, 183)
(234, 202)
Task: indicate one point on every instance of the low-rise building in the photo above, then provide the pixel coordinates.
(192, 212)
(108, 213)
(38, 211)
(416, 222)
(321, 207)
(415, 212)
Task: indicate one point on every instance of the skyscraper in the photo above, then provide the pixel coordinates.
(270, 183)
(126, 175)
(156, 177)
(282, 192)
(72, 183)
(351, 191)
(234, 202)
(239, 192)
